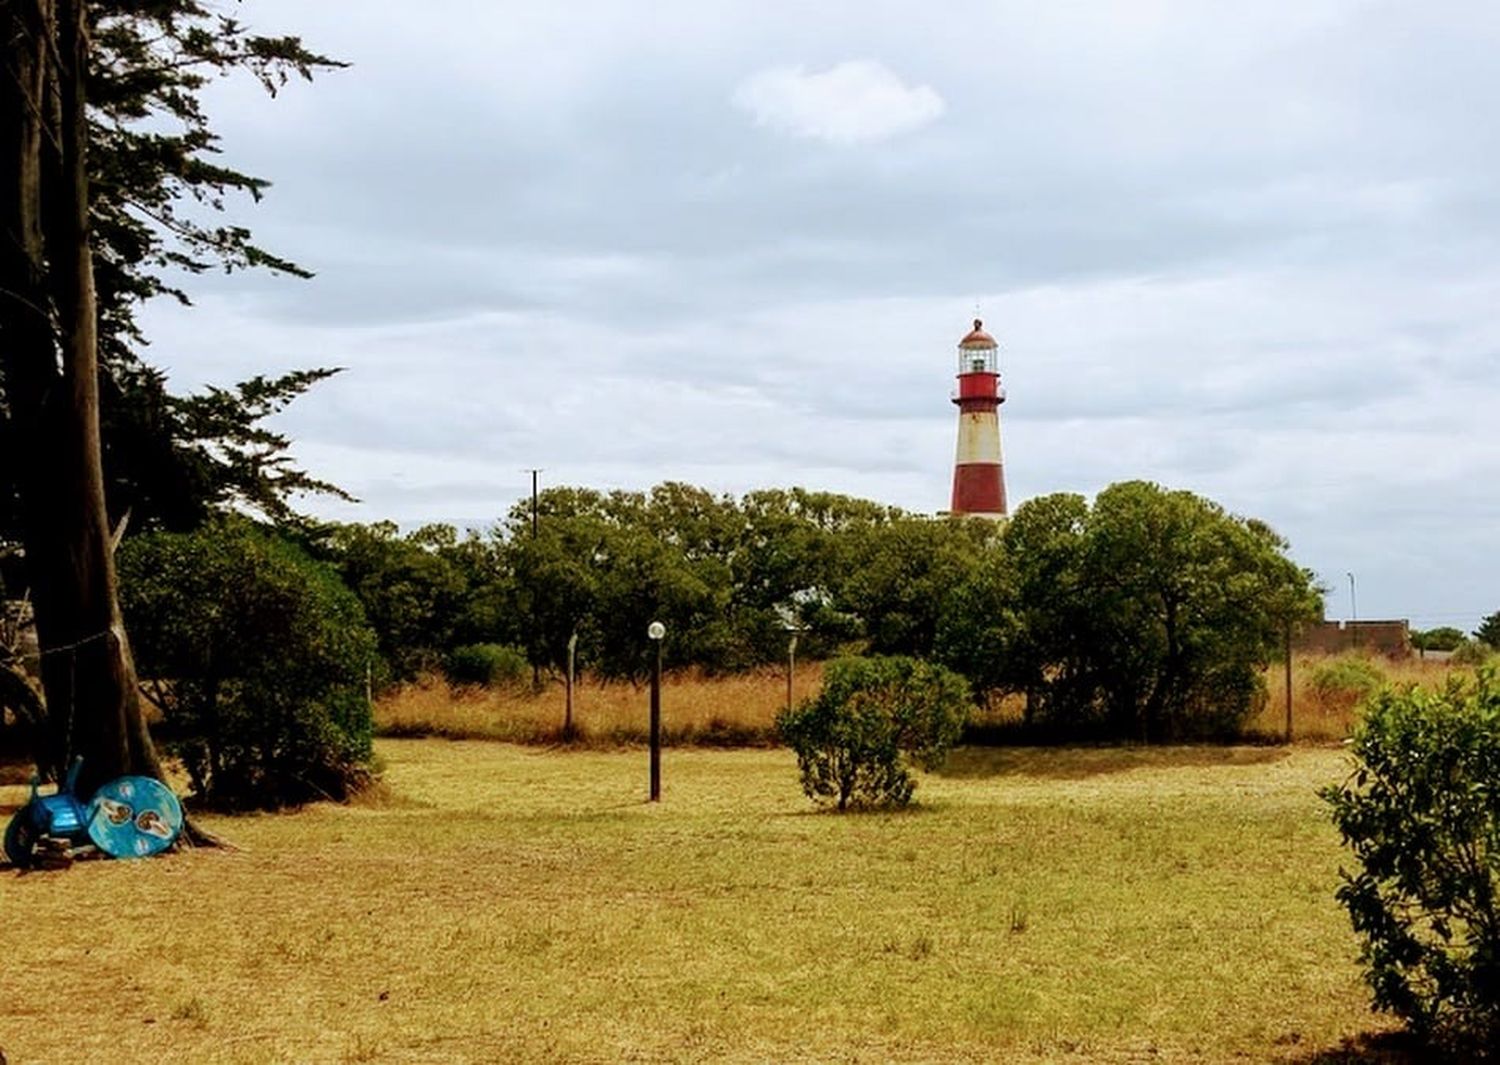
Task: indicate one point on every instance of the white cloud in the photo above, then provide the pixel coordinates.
(851, 103)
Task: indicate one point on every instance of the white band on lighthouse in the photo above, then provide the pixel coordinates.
(978, 437)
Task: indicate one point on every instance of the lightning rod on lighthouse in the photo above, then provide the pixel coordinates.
(978, 471)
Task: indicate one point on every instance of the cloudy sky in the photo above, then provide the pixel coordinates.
(1252, 250)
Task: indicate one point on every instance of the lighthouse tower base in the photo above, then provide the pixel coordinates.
(978, 480)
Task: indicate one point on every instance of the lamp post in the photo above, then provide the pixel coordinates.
(656, 631)
(1353, 613)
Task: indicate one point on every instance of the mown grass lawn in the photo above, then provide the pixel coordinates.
(522, 904)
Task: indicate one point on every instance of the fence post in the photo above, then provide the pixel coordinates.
(1289, 682)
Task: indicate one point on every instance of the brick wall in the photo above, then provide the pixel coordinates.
(1391, 638)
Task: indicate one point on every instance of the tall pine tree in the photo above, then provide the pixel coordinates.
(104, 141)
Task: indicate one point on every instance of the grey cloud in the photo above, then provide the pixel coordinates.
(1243, 250)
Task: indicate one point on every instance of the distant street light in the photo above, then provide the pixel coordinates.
(1353, 614)
(657, 632)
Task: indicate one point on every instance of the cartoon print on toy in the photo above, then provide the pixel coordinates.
(133, 817)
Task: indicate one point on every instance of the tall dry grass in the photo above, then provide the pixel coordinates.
(718, 711)
(1327, 712)
(739, 710)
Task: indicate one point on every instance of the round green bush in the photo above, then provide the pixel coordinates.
(260, 660)
(1422, 815)
(874, 718)
(1472, 653)
(485, 664)
(1345, 682)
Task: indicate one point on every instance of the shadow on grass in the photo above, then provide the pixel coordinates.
(15, 772)
(1078, 763)
(1370, 1048)
(913, 809)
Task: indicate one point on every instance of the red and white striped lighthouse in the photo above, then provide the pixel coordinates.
(978, 473)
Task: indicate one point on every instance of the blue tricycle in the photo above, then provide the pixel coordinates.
(60, 816)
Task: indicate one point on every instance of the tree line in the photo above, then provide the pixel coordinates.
(1148, 613)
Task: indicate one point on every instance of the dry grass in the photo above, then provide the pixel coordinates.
(738, 710)
(728, 711)
(501, 903)
(1323, 717)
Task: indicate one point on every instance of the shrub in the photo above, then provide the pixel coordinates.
(1472, 653)
(1422, 816)
(486, 665)
(1345, 682)
(258, 658)
(873, 718)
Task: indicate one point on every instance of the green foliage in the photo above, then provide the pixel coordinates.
(1472, 653)
(258, 657)
(1422, 816)
(725, 577)
(1148, 615)
(424, 593)
(1346, 681)
(1488, 632)
(1443, 638)
(157, 181)
(902, 573)
(980, 632)
(874, 718)
(486, 665)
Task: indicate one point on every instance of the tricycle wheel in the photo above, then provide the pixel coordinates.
(20, 839)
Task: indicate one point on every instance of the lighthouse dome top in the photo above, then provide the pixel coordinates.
(978, 338)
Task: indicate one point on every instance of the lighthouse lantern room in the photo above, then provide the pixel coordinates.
(978, 472)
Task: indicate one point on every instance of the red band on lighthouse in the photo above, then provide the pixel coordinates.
(978, 472)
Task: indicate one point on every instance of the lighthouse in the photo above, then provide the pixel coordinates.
(978, 473)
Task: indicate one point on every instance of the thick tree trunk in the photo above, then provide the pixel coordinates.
(49, 356)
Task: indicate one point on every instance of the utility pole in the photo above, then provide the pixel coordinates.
(536, 670)
(534, 473)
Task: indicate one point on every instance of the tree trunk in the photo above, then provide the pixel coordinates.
(49, 357)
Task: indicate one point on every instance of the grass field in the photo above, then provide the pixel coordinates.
(505, 903)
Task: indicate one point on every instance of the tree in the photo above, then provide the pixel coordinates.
(903, 572)
(1421, 817)
(979, 630)
(1443, 638)
(258, 657)
(1051, 660)
(171, 460)
(1148, 615)
(1193, 602)
(1488, 632)
(49, 361)
(874, 718)
(87, 191)
(412, 590)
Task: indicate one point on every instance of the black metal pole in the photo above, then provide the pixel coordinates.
(656, 726)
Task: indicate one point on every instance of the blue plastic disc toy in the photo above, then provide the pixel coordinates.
(134, 817)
